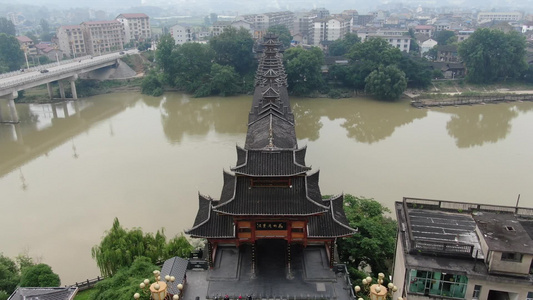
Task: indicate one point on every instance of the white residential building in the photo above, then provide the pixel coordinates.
(397, 38)
(261, 22)
(71, 40)
(483, 17)
(329, 29)
(426, 45)
(182, 34)
(136, 26)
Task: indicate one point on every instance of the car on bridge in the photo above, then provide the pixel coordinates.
(44, 71)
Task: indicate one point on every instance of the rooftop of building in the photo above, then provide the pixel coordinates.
(309, 276)
(24, 39)
(443, 235)
(133, 16)
(44, 293)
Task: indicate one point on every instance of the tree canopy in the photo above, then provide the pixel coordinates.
(7, 27)
(193, 63)
(445, 37)
(40, 275)
(11, 56)
(387, 83)
(125, 282)
(374, 244)
(491, 54)
(303, 68)
(9, 275)
(342, 46)
(233, 47)
(119, 248)
(283, 34)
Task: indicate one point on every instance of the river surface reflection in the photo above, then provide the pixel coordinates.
(67, 170)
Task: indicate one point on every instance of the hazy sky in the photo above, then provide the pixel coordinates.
(247, 6)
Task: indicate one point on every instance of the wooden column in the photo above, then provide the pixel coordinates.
(331, 253)
(210, 254)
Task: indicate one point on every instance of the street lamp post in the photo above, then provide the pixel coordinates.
(376, 291)
(158, 290)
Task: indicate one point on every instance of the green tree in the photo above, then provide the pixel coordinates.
(151, 85)
(445, 37)
(387, 83)
(341, 46)
(283, 33)
(417, 70)
(490, 55)
(46, 35)
(163, 56)
(223, 81)
(413, 44)
(7, 27)
(367, 57)
(9, 275)
(303, 68)
(125, 282)
(40, 275)
(374, 244)
(433, 53)
(233, 47)
(11, 56)
(24, 260)
(192, 66)
(120, 247)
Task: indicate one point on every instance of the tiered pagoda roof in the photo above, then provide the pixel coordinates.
(271, 156)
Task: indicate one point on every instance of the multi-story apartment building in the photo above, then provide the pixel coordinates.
(330, 29)
(303, 22)
(136, 26)
(182, 34)
(103, 36)
(498, 16)
(458, 250)
(261, 22)
(218, 27)
(71, 40)
(397, 38)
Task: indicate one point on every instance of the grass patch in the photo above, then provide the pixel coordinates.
(85, 295)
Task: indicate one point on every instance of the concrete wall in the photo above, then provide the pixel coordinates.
(496, 264)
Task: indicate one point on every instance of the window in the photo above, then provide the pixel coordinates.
(511, 256)
(437, 284)
(477, 291)
(529, 296)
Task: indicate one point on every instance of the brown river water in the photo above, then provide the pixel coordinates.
(67, 170)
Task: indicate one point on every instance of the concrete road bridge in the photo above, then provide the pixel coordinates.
(13, 82)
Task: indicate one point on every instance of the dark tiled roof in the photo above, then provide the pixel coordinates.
(270, 163)
(228, 188)
(209, 224)
(42, 293)
(313, 189)
(241, 156)
(176, 267)
(271, 131)
(271, 201)
(331, 224)
(299, 156)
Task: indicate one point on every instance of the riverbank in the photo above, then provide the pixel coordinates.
(84, 88)
(457, 92)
